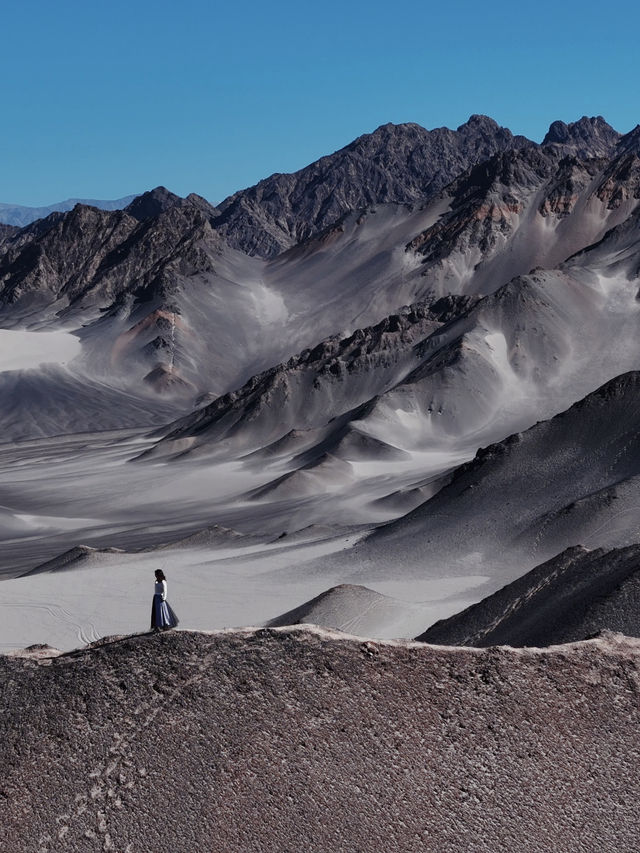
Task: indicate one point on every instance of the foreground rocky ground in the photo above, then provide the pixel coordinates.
(300, 739)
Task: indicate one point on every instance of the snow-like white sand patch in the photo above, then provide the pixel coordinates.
(111, 593)
(54, 522)
(23, 350)
(101, 593)
(269, 306)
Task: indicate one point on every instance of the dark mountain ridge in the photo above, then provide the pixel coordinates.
(570, 597)
(144, 279)
(105, 254)
(401, 163)
(395, 164)
(412, 165)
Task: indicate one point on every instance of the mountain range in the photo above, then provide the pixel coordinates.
(395, 394)
(411, 365)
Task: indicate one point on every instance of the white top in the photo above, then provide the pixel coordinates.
(161, 589)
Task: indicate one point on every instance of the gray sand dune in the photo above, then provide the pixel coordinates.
(355, 610)
(56, 401)
(312, 532)
(209, 537)
(325, 472)
(74, 558)
(402, 501)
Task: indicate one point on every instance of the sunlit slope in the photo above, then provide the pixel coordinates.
(572, 479)
(444, 379)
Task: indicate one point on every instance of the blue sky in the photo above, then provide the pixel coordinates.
(102, 99)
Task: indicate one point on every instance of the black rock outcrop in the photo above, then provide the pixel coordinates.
(150, 204)
(93, 257)
(631, 141)
(7, 231)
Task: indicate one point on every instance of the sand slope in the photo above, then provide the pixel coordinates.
(356, 610)
(570, 597)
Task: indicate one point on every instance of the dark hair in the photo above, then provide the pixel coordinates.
(160, 575)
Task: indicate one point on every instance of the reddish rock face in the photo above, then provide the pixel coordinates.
(286, 740)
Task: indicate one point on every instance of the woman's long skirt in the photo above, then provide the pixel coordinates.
(162, 616)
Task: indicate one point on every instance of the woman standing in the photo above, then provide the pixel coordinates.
(162, 616)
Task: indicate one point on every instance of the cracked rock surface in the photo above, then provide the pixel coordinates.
(301, 739)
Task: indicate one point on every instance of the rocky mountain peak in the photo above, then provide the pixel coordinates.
(150, 204)
(587, 137)
(202, 204)
(481, 134)
(479, 122)
(387, 137)
(397, 163)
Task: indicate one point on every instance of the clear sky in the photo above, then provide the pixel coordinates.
(103, 99)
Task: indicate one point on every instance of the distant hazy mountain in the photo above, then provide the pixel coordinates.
(16, 214)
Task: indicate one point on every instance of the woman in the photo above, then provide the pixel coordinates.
(162, 616)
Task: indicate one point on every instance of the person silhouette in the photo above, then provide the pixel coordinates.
(162, 615)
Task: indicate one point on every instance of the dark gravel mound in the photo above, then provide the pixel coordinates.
(570, 597)
(535, 493)
(304, 740)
